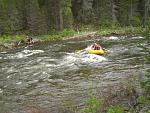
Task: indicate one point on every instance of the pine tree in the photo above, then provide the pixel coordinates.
(34, 17)
(40, 16)
(83, 11)
(103, 11)
(4, 21)
(67, 14)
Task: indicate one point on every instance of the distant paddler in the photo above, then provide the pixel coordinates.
(29, 40)
(95, 49)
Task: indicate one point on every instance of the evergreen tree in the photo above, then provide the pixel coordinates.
(4, 21)
(82, 10)
(32, 16)
(40, 16)
(67, 14)
(103, 11)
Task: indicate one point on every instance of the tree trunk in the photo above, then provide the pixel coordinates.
(144, 17)
(58, 15)
(114, 11)
(146, 3)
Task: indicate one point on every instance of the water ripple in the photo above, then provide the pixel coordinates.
(47, 74)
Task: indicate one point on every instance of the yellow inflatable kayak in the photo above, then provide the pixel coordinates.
(98, 52)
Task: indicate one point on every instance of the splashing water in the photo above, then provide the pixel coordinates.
(45, 75)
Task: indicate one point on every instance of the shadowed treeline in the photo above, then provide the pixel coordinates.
(43, 16)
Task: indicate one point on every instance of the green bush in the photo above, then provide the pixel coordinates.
(57, 35)
(9, 38)
(115, 109)
(143, 100)
(92, 104)
(148, 21)
(135, 21)
(67, 33)
(146, 83)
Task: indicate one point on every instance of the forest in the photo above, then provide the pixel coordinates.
(42, 16)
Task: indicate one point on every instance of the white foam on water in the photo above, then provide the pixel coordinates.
(3, 52)
(8, 76)
(94, 58)
(68, 60)
(23, 54)
(113, 38)
(72, 59)
(138, 37)
(1, 91)
(31, 52)
(18, 83)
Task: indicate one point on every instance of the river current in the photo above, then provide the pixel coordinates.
(47, 74)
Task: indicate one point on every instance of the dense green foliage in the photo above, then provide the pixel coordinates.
(9, 39)
(57, 35)
(144, 101)
(146, 83)
(115, 109)
(41, 16)
(92, 104)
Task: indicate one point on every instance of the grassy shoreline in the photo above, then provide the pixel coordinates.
(11, 41)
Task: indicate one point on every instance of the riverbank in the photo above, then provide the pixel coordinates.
(16, 41)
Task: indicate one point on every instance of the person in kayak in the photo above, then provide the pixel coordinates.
(94, 46)
(29, 40)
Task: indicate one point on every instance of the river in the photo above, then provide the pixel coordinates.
(47, 74)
